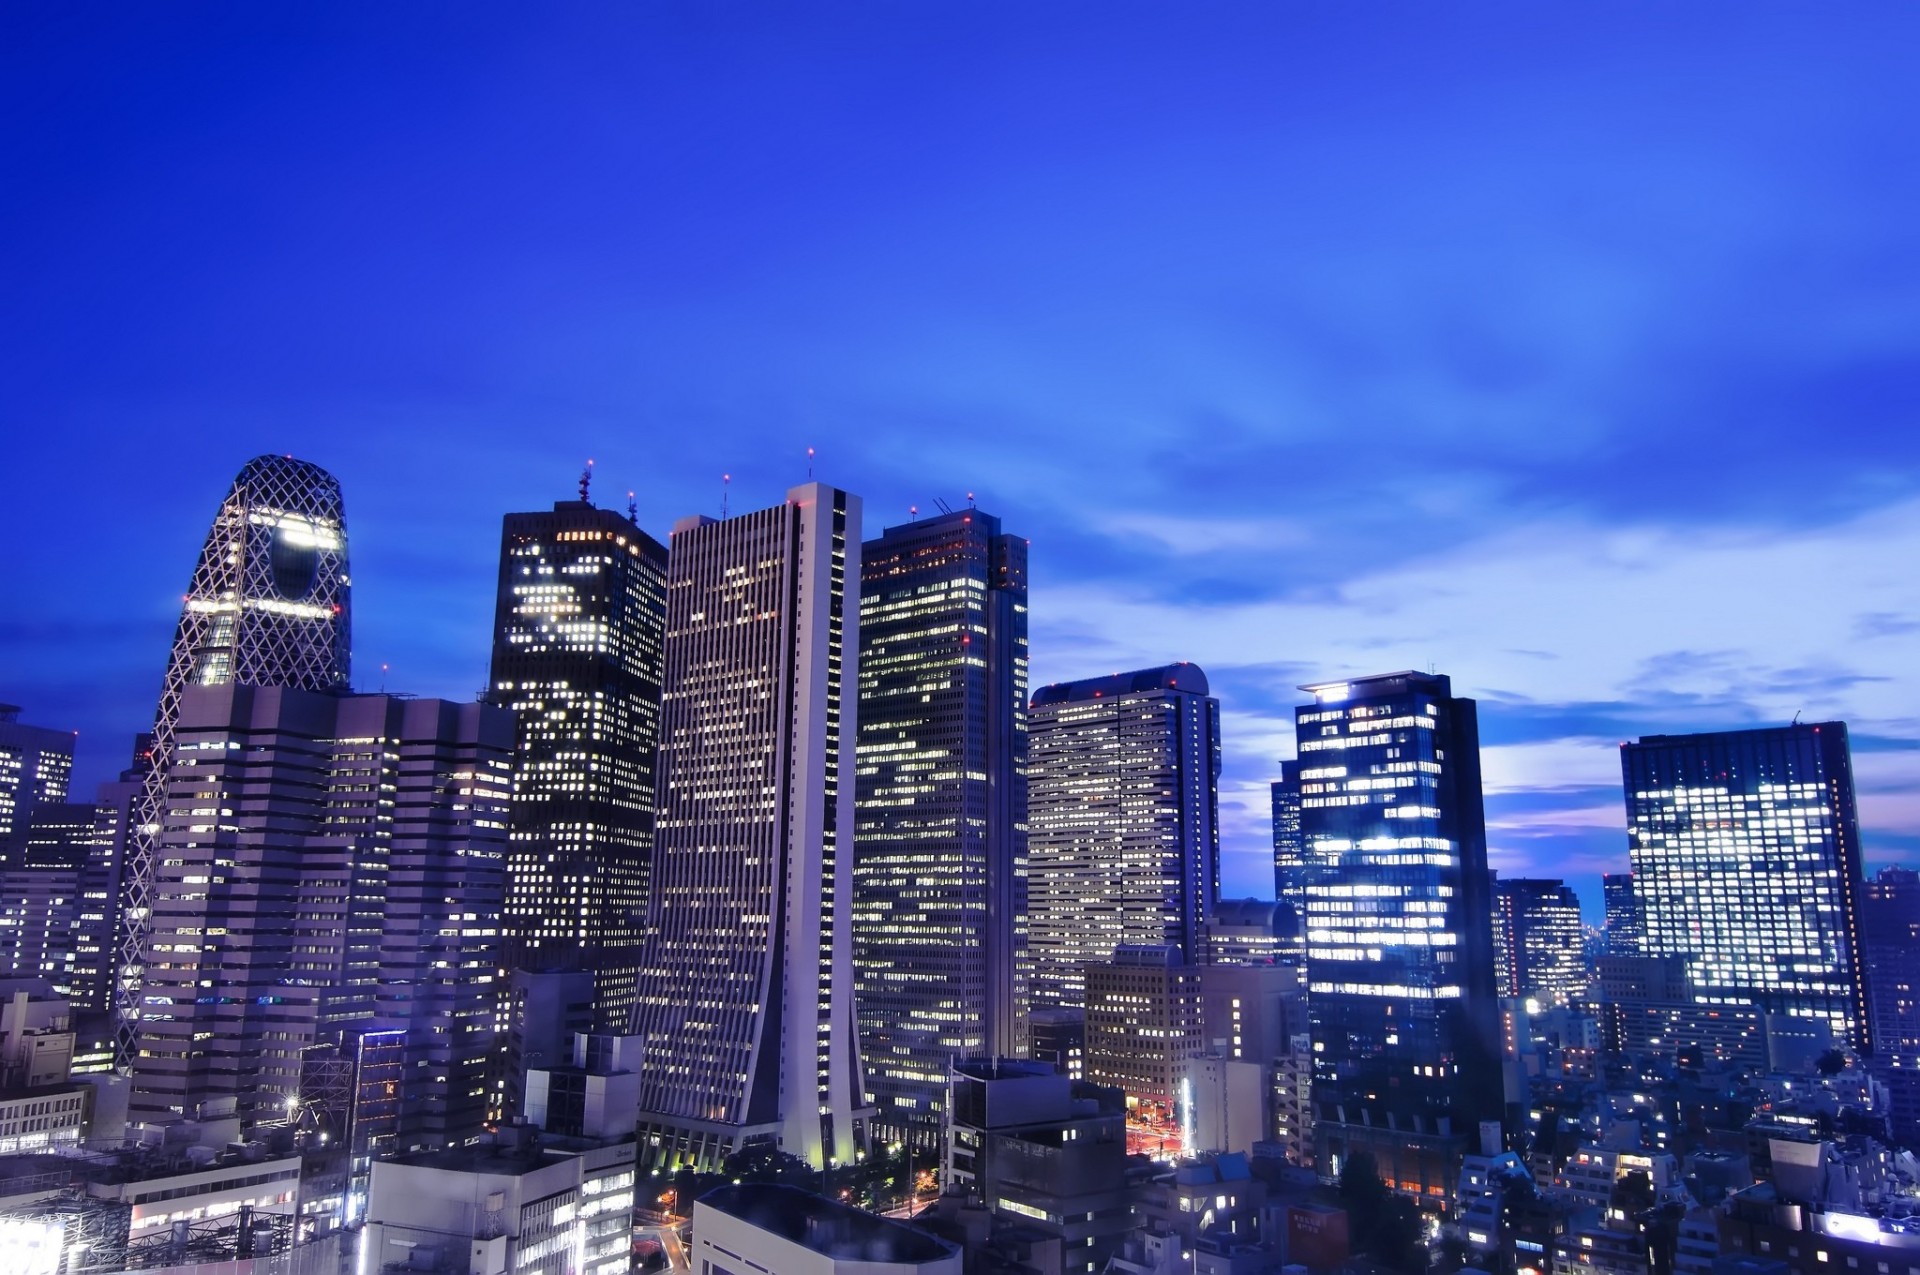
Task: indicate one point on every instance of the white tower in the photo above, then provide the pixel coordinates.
(746, 990)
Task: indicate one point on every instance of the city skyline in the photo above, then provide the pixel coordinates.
(1644, 350)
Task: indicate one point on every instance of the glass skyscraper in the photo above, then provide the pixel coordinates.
(1539, 939)
(1626, 931)
(1289, 858)
(577, 655)
(1402, 1003)
(1890, 943)
(940, 842)
(1746, 862)
(268, 605)
(746, 991)
(36, 766)
(1123, 828)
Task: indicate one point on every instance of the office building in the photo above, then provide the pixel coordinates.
(506, 1209)
(577, 649)
(1042, 1153)
(1254, 932)
(1746, 861)
(1626, 932)
(940, 840)
(1538, 940)
(36, 767)
(268, 605)
(325, 861)
(1143, 1026)
(1402, 1003)
(1059, 1037)
(1289, 883)
(1123, 821)
(1890, 954)
(40, 895)
(746, 994)
(786, 1231)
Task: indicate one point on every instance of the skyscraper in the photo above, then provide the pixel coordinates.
(577, 656)
(1401, 998)
(746, 990)
(940, 843)
(267, 606)
(36, 765)
(1538, 935)
(1626, 930)
(1289, 862)
(1123, 821)
(1890, 946)
(324, 862)
(1746, 861)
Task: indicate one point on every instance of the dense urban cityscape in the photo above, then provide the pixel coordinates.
(759, 915)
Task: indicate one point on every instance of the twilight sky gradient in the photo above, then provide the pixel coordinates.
(1571, 349)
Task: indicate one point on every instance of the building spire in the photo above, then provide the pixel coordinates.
(586, 481)
(633, 510)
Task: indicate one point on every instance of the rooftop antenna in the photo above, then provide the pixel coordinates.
(945, 508)
(1796, 717)
(586, 480)
(383, 679)
(913, 512)
(726, 485)
(809, 464)
(969, 500)
(633, 510)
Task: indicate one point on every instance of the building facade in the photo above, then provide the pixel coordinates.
(1123, 821)
(577, 655)
(940, 840)
(1144, 1026)
(1402, 1003)
(1626, 930)
(324, 861)
(1289, 885)
(761, 1226)
(1746, 861)
(746, 992)
(36, 768)
(269, 604)
(1538, 939)
(1890, 947)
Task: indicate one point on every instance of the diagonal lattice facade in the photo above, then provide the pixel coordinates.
(267, 606)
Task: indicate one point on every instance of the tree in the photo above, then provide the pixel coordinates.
(1385, 1226)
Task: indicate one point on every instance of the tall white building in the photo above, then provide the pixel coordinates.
(746, 986)
(1123, 837)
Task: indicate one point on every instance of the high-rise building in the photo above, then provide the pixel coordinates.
(940, 843)
(1289, 862)
(1746, 861)
(1890, 953)
(746, 990)
(325, 862)
(36, 765)
(1538, 938)
(1123, 821)
(577, 636)
(1402, 1003)
(1626, 930)
(1144, 1025)
(268, 605)
(40, 895)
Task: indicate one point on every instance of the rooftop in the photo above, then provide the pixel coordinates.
(825, 1226)
(1179, 677)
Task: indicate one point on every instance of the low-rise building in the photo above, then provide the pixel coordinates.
(504, 1209)
(759, 1228)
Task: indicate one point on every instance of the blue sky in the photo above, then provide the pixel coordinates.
(1568, 349)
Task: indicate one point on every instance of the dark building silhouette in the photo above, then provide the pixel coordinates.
(1890, 954)
(940, 837)
(578, 636)
(1402, 1003)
